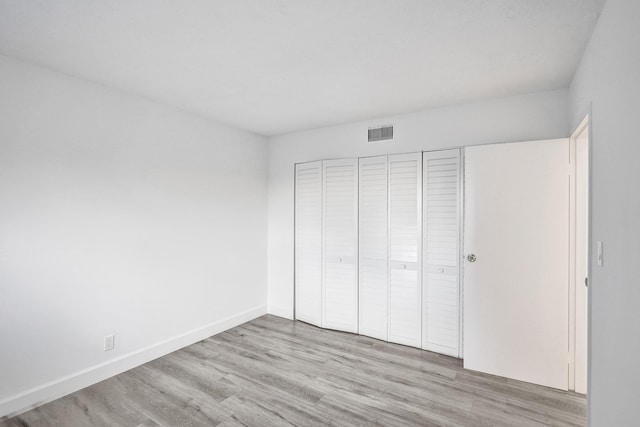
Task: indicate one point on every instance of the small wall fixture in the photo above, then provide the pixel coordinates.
(383, 133)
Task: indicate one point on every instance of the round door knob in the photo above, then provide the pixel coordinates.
(404, 266)
(471, 258)
(339, 259)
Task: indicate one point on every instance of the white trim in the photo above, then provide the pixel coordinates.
(44, 393)
(575, 281)
(461, 258)
(571, 357)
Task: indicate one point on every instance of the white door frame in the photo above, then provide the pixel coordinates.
(575, 279)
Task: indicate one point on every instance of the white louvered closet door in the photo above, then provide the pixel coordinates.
(441, 252)
(373, 247)
(405, 223)
(308, 242)
(340, 225)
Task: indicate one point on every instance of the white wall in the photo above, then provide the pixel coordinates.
(609, 79)
(117, 215)
(521, 118)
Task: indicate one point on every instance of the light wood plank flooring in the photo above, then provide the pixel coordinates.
(276, 372)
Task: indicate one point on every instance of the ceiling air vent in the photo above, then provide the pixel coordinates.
(384, 133)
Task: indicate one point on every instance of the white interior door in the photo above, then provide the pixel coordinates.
(340, 259)
(373, 229)
(516, 292)
(308, 242)
(405, 224)
(441, 252)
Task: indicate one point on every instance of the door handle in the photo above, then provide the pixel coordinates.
(471, 258)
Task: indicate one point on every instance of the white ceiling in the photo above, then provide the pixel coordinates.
(275, 66)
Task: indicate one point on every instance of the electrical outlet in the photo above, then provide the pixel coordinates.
(109, 342)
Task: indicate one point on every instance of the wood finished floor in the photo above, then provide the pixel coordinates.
(276, 372)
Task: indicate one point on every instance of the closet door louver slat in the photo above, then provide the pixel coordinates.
(340, 231)
(362, 262)
(441, 251)
(405, 197)
(308, 242)
(373, 220)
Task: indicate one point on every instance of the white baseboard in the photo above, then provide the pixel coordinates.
(287, 313)
(24, 401)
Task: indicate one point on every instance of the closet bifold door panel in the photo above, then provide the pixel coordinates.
(308, 242)
(340, 245)
(373, 261)
(442, 211)
(405, 223)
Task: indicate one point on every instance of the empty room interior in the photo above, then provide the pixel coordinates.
(310, 213)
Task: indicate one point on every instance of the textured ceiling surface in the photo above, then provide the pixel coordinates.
(275, 66)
